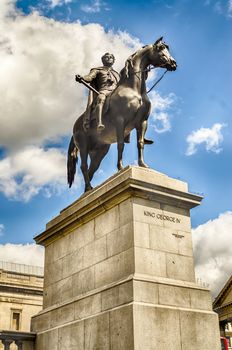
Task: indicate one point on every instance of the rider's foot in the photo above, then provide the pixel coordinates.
(148, 142)
(100, 127)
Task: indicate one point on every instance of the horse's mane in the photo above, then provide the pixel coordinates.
(128, 68)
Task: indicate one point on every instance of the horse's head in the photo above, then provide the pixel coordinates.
(161, 57)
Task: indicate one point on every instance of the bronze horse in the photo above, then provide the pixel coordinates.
(128, 108)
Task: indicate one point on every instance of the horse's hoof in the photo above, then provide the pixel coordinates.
(143, 165)
(88, 188)
(120, 167)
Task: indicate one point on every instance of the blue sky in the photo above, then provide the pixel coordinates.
(45, 43)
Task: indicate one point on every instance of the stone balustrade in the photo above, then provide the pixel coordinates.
(22, 340)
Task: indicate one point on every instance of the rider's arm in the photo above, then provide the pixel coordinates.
(91, 76)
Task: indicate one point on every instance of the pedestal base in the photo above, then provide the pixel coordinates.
(119, 271)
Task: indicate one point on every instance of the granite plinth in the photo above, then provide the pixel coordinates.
(119, 270)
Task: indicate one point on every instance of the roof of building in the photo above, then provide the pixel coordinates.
(22, 268)
(221, 298)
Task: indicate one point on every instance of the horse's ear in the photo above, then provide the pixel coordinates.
(157, 41)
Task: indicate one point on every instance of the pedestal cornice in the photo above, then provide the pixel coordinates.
(133, 181)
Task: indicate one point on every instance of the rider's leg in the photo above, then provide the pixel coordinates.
(86, 118)
(99, 107)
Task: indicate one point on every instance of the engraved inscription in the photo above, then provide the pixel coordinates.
(177, 235)
(161, 216)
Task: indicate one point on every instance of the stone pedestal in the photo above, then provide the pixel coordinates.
(119, 270)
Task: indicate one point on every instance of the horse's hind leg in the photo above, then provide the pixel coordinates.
(84, 164)
(96, 157)
(141, 130)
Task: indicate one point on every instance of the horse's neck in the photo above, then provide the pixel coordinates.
(138, 72)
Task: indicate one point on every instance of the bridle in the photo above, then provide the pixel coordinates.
(147, 70)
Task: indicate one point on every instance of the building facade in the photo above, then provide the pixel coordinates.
(21, 296)
(223, 306)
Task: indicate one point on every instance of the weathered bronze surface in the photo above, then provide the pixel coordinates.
(126, 107)
(103, 80)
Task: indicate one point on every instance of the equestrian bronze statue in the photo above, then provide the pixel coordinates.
(125, 107)
(103, 81)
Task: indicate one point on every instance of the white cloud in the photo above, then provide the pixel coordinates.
(160, 111)
(162, 122)
(218, 7)
(223, 8)
(40, 99)
(28, 254)
(213, 251)
(25, 173)
(95, 6)
(39, 57)
(55, 3)
(7, 8)
(230, 8)
(212, 138)
(2, 228)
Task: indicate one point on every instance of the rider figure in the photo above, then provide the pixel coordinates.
(104, 79)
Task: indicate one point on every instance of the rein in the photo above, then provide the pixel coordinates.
(148, 70)
(157, 81)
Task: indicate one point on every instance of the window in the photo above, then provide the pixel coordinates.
(15, 320)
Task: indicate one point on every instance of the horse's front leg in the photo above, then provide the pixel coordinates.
(120, 141)
(141, 130)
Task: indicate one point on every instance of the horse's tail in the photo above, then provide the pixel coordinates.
(72, 161)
